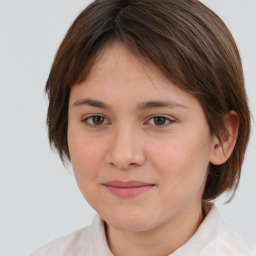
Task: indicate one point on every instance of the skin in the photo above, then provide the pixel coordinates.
(128, 143)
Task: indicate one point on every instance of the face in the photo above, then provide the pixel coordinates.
(139, 146)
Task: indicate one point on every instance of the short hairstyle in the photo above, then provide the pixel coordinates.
(185, 40)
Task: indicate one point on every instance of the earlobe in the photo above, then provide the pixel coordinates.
(223, 149)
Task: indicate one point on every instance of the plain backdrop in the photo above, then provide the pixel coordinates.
(39, 197)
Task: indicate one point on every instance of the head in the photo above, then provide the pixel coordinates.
(187, 43)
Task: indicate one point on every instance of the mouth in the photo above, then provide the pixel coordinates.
(127, 189)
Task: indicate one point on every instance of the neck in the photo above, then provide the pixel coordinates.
(162, 240)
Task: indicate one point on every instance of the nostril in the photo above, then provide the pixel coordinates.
(123, 166)
(124, 153)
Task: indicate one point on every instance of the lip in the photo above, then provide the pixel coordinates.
(127, 189)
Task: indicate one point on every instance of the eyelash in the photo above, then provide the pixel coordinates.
(85, 121)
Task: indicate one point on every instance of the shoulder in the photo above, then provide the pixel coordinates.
(226, 241)
(214, 237)
(230, 241)
(64, 245)
(90, 240)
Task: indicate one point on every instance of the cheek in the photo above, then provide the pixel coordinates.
(181, 163)
(86, 157)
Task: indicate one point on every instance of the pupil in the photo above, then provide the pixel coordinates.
(98, 120)
(159, 120)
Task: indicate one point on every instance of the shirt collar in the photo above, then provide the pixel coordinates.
(196, 244)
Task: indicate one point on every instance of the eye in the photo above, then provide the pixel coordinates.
(95, 120)
(161, 121)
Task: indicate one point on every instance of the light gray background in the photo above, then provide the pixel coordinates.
(39, 198)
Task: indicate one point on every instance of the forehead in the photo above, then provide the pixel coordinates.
(116, 62)
(117, 57)
(118, 75)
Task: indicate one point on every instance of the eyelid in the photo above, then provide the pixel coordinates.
(84, 120)
(168, 118)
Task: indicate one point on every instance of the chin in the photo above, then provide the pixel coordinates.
(130, 226)
(131, 222)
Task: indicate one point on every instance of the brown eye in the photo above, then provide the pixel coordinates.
(95, 120)
(160, 120)
(98, 120)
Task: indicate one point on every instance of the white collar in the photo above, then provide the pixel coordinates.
(206, 231)
(213, 237)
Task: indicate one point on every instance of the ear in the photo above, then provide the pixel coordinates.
(223, 150)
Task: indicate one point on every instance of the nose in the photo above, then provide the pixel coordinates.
(125, 149)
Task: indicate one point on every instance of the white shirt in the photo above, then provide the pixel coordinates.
(213, 238)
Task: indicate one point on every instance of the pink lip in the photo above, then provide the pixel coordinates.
(127, 189)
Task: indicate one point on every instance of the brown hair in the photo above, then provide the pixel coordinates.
(190, 45)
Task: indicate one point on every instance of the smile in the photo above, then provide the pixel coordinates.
(127, 189)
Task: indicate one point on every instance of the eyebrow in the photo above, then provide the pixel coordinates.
(91, 102)
(140, 106)
(160, 104)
